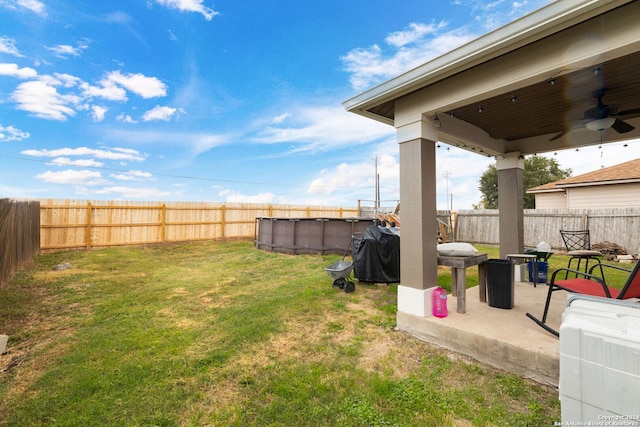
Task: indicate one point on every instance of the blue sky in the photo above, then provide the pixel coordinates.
(232, 101)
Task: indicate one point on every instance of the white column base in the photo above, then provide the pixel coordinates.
(415, 301)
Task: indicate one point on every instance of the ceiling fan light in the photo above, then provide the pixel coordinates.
(601, 124)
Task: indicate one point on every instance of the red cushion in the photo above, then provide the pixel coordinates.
(634, 288)
(584, 286)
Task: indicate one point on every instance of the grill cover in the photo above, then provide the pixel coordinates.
(376, 255)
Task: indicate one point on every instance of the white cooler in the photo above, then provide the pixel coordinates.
(600, 361)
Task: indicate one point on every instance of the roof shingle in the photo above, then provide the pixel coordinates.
(628, 171)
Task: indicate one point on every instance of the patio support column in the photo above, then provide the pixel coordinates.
(511, 203)
(418, 251)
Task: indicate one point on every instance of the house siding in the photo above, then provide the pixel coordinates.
(603, 196)
(556, 200)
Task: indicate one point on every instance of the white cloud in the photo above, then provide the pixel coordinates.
(493, 14)
(13, 70)
(189, 6)
(63, 79)
(33, 5)
(160, 113)
(231, 196)
(343, 176)
(132, 175)
(133, 193)
(107, 90)
(407, 49)
(318, 128)
(11, 133)
(43, 100)
(119, 17)
(125, 118)
(74, 177)
(8, 45)
(414, 33)
(98, 112)
(65, 161)
(113, 154)
(146, 87)
(355, 176)
(457, 175)
(280, 118)
(196, 142)
(64, 50)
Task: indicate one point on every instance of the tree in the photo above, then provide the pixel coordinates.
(538, 170)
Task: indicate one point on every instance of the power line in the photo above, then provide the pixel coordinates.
(195, 178)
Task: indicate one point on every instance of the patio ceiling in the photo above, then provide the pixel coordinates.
(554, 105)
(529, 86)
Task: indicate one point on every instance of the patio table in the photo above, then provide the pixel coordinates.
(458, 266)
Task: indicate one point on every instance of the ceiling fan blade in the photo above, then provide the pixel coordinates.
(558, 136)
(622, 127)
(625, 112)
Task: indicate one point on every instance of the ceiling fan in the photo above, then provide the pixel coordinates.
(603, 116)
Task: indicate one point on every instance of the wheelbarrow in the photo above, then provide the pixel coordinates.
(340, 272)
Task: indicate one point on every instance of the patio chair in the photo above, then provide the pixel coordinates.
(578, 244)
(589, 284)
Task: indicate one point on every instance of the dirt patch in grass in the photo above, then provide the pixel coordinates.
(28, 360)
(394, 352)
(178, 321)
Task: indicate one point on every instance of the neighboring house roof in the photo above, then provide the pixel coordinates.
(623, 173)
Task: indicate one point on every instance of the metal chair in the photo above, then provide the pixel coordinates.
(589, 285)
(578, 244)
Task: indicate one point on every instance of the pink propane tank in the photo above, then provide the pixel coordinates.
(439, 302)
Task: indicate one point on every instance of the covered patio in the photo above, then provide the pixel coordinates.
(565, 76)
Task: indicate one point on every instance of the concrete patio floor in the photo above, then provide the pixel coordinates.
(503, 338)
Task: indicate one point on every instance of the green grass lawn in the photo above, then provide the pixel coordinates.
(223, 334)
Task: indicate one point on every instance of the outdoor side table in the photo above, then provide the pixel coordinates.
(527, 257)
(458, 266)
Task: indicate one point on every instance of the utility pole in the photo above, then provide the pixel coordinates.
(377, 202)
(447, 174)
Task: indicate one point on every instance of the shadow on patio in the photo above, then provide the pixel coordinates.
(503, 338)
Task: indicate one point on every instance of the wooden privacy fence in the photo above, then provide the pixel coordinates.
(19, 235)
(620, 226)
(67, 224)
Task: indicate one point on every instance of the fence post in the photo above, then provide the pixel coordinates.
(87, 236)
(163, 221)
(223, 222)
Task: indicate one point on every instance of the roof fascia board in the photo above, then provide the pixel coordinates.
(553, 190)
(594, 183)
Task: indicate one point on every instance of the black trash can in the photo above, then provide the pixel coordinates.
(500, 282)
